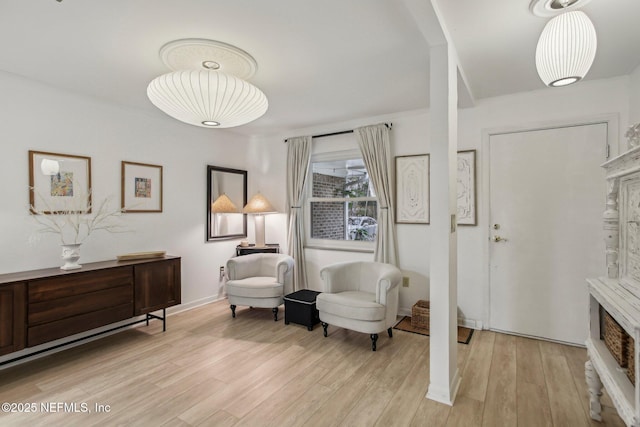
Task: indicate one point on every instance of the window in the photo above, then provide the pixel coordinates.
(341, 204)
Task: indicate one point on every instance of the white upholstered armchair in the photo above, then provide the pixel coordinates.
(361, 296)
(259, 280)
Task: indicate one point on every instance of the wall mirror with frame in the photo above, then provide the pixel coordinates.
(226, 196)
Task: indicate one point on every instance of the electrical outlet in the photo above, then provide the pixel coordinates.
(405, 281)
(221, 272)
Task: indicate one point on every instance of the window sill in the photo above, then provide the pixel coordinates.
(343, 248)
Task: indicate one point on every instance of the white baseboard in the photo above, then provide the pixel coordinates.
(193, 304)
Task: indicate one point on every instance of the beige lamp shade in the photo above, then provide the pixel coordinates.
(258, 205)
(223, 204)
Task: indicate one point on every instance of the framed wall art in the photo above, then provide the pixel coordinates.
(141, 187)
(412, 189)
(466, 211)
(59, 183)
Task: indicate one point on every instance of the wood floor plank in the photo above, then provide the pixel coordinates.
(533, 404)
(475, 382)
(431, 413)
(466, 412)
(500, 402)
(266, 412)
(334, 410)
(261, 391)
(219, 419)
(409, 395)
(564, 399)
(300, 411)
(529, 361)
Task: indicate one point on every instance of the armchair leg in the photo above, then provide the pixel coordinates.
(324, 328)
(233, 310)
(390, 332)
(374, 339)
(275, 314)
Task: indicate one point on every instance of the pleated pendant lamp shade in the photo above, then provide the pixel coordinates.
(207, 98)
(566, 49)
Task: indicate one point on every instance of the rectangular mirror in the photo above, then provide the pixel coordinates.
(226, 196)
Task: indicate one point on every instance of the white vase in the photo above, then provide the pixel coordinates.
(71, 255)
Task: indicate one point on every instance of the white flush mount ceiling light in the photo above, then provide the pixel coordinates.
(566, 48)
(207, 87)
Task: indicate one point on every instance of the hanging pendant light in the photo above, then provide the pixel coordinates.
(566, 49)
(207, 98)
(207, 87)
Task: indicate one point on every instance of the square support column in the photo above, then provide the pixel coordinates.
(443, 123)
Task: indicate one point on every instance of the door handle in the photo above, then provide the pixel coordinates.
(497, 239)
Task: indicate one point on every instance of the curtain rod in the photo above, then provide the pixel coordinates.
(342, 132)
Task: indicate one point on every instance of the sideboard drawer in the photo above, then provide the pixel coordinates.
(78, 283)
(74, 303)
(45, 332)
(62, 308)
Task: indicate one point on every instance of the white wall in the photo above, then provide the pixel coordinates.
(634, 96)
(42, 118)
(410, 136)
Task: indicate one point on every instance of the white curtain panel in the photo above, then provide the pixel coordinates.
(376, 153)
(298, 159)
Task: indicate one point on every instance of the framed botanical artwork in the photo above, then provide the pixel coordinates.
(141, 187)
(466, 211)
(59, 183)
(412, 189)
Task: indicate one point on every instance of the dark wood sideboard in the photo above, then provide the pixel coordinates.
(40, 306)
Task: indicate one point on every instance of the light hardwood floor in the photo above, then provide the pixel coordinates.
(209, 369)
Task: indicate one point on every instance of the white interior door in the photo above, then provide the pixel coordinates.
(547, 194)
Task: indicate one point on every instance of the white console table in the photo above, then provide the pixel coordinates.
(619, 292)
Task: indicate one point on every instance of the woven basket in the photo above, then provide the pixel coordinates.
(420, 315)
(631, 368)
(615, 338)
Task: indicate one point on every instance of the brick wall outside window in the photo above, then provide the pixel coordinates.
(327, 218)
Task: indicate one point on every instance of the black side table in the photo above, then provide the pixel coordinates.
(300, 308)
(252, 249)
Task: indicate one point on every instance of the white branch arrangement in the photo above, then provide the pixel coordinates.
(73, 223)
(633, 135)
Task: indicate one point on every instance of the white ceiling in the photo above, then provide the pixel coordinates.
(318, 62)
